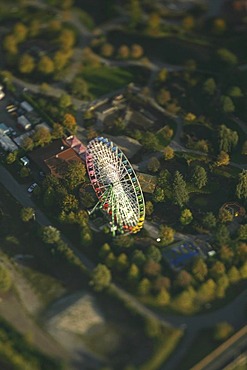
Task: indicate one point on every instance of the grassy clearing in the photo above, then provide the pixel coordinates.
(105, 79)
(202, 345)
(47, 287)
(163, 350)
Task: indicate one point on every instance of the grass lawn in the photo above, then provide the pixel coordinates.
(171, 49)
(202, 345)
(105, 79)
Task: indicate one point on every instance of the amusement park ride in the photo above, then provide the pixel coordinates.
(116, 186)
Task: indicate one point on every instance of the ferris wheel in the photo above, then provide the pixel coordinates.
(116, 186)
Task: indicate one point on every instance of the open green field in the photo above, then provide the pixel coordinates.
(105, 79)
(170, 49)
(202, 345)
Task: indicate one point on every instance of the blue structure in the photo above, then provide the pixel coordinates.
(180, 254)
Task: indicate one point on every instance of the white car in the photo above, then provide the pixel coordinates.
(32, 187)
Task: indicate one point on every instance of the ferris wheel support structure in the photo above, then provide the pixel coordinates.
(116, 186)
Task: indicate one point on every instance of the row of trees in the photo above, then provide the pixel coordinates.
(48, 62)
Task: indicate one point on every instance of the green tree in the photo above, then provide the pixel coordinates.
(46, 65)
(70, 203)
(167, 132)
(110, 260)
(227, 57)
(122, 262)
(150, 141)
(163, 297)
(185, 301)
(27, 214)
(180, 195)
(5, 279)
(41, 136)
(161, 282)
(163, 96)
(61, 59)
(226, 254)
(27, 143)
(64, 101)
(217, 270)
(223, 159)
(69, 122)
(199, 269)
(123, 52)
(133, 272)
(158, 195)
(222, 285)
(20, 31)
(188, 23)
(233, 275)
(241, 188)
(152, 268)
(227, 104)
(168, 153)
(235, 92)
(75, 174)
(241, 252)
(222, 234)
(166, 235)
(34, 28)
(199, 177)
(144, 286)
(57, 131)
(123, 241)
(153, 164)
(136, 51)
(209, 86)
(50, 234)
(100, 278)
(25, 172)
(223, 330)
(153, 23)
(26, 64)
(153, 253)
(225, 215)
(10, 44)
(79, 88)
(104, 250)
(183, 279)
(162, 75)
(149, 208)
(186, 216)
(11, 157)
(107, 50)
(138, 257)
(135, 12)
(227, 138)
(242, 232)
(244, 148)
(66, 39)
(219, 26)
(243, 271)
(209, 220)
(207, 291)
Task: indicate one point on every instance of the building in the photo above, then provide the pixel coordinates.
(183, 252)
(53, 158)
(23, 123)
(7, 144)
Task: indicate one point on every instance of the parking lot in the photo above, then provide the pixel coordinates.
(5, 116)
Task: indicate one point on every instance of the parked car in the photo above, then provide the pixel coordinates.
(32, 187)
